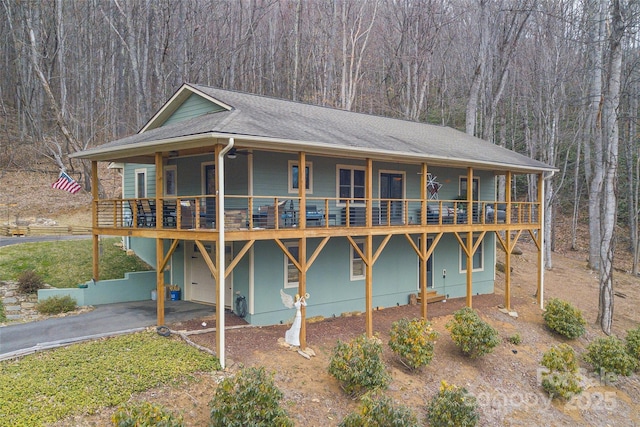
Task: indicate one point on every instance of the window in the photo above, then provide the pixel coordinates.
(351, 184)
(209, 178)
(141, 183)
(357, 267)
(291, 273)
(170, 183)
(478, 257)
(474, 191)
(294, 174)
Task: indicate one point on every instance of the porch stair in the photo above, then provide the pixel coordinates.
(432, 296)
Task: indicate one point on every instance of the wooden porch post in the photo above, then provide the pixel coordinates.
(507, 257)
(302, 243)
(469, 195)
(159, 190)
(94, 207)
(369, 249)
(160, 281)
(369, 285)
(469, 236)
(159, 242)
(469, 251)
(423, 243)
(302, 289)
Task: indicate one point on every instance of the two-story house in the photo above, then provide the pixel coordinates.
(248, 195)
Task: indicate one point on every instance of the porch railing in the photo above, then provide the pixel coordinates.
(285, 212)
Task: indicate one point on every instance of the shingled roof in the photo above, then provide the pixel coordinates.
(256, 120)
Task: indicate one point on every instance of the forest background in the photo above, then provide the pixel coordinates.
(556, 80)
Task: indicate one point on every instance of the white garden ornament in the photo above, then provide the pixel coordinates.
(292, 336)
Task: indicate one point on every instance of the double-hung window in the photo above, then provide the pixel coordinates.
(291, 273)
(351, 184)
(357, 268)
(477, 259)
(294, 174)
(141, 183)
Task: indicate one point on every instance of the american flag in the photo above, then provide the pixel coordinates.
(66, 183)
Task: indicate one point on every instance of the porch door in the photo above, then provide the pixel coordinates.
(429, 265)
(202, 283)
(391, 187)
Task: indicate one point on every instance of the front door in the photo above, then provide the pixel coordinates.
(391, 188)
(202, 284)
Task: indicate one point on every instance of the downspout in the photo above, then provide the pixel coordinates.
(220, 251)
(542, 219)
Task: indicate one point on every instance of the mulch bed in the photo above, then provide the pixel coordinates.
(243, 342)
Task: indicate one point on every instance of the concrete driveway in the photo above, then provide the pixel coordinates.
(105, 319)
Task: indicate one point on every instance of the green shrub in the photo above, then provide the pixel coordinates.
(3, 316)
(561, 379)
(515, 339)
(563, 318)
(413, 340)
(358, 365)
(380, 411)
(29, 282)
(609, 355)
(57, 304)
(474, 336)
(633, 343)
(145, 414)
(453, 406)
(250, 398)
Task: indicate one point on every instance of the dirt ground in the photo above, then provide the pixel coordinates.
(504, 382)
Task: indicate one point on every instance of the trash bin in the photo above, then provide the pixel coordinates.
(154, 295)
(175, 295)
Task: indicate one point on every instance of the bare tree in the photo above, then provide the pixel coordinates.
(610, 166)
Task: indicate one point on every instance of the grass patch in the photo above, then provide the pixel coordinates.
(65, 264)
(47, 387)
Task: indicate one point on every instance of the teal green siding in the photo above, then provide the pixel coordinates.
(447, 257)
(328, 280)
(129, 190)
(395, 274)
(194, 106)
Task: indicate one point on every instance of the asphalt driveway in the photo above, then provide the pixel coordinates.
(103, 320)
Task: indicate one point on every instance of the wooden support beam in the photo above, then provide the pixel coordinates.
(238, 257)
(423, 275)
(368, 189)
(424, 195)
(207, 259)
(369, 286)
(302, 286)
(315, 254)
(469, 268)
(159, 190)
(383, 244)
(293, 259)
(469, 195)
(159, 282)
(507, 272)
(165, 259)
(94, 206)
(302, 191)
(358, 251)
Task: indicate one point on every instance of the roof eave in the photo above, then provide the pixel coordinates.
(311, 147)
